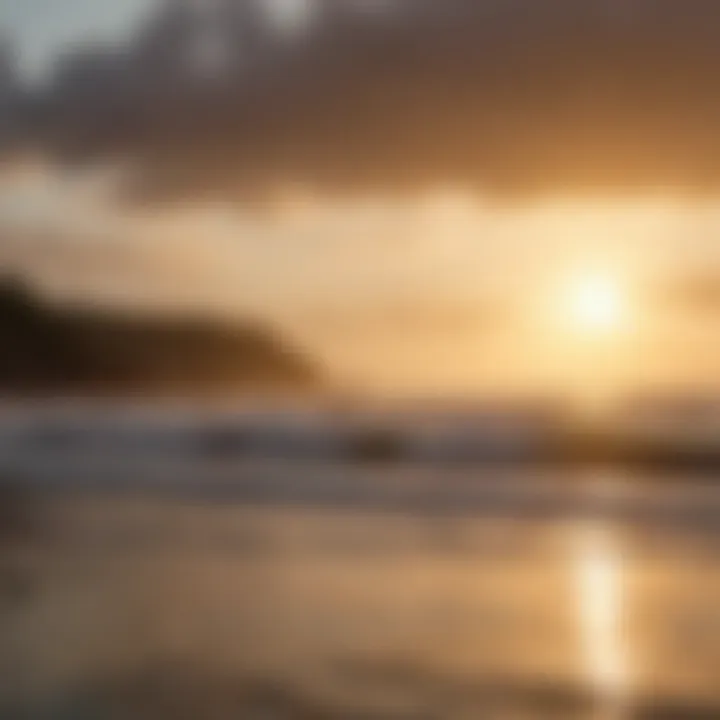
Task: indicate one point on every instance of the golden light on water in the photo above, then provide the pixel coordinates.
(599, 589)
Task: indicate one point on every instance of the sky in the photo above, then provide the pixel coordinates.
(414, 223)
(44, 28)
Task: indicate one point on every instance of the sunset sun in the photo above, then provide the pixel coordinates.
(596, 303)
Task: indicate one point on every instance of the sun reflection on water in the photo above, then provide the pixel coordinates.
(599, 588)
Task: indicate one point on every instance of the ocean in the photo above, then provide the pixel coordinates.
(158, 580)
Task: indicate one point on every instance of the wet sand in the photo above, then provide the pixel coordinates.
(344, 592)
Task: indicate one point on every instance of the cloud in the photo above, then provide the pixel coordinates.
(697, 292)
(437, 317)
(509, 97)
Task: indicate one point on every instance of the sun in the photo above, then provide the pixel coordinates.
(596, 303)
(590, 349)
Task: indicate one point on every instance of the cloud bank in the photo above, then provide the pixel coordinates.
(509, 97)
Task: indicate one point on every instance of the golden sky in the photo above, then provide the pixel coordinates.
(444, 291)
(428, 196)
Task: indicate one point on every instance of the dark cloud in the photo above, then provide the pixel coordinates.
(13, 102)
(510, 96)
